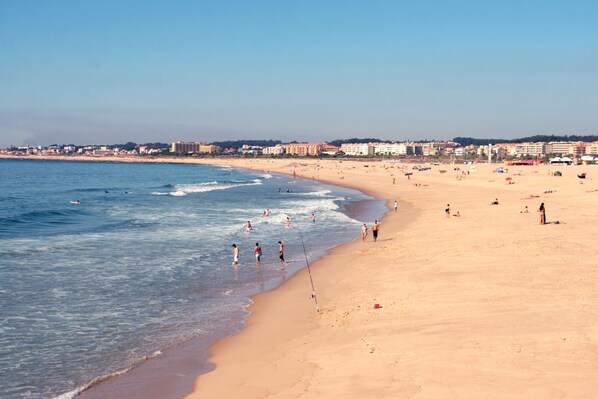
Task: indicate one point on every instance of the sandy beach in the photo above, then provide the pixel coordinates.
(488, 304)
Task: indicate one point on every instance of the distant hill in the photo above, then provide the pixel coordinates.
(464, 141)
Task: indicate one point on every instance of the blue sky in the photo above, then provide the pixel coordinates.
(114, 71)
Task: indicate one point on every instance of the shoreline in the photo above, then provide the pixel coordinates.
(172, 373)
(461, 314)
(489, 304)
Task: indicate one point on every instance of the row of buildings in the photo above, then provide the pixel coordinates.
(426, 149)
(391, 149)
(89, 150)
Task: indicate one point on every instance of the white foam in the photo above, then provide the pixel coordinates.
(184, 189)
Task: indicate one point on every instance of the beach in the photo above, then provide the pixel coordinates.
(489, 303)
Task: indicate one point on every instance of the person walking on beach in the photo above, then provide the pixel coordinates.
(448, 210)
(375, 229)
(364, 232)
(281, 254)
(235, 255)
(542, 211)
(396, 206)
(258, 254)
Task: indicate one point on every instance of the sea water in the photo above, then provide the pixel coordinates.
(144, 261)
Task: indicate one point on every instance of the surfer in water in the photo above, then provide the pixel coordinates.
(76, 202)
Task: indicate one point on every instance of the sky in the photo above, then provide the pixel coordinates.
(107, 72)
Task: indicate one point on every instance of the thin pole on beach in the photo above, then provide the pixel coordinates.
(313, 289)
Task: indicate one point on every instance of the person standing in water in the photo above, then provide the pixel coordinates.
(235, 255)
(248, 227)
(364, 232)
(281, 254)
(258, 254)
(313, 218)
(287, 222)
(375, 230)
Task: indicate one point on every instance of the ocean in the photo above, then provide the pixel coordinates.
(143, 262)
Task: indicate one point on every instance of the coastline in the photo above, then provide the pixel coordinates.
(483, 304)
(165, 372)
(488, 304)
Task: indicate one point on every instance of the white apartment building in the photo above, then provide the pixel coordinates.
(390, 149)
(276, 150)
(358, 149)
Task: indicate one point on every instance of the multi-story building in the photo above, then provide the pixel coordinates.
(303, 149)
(523, 149)
(358, 149)
(389, 149)
(196, 147)
(592, 148)
(276, 150)
(209, 149)
(180, 147)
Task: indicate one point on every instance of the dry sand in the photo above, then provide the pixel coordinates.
(487, 305)
(490, 304)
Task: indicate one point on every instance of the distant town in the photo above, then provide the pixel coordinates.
(457, 149)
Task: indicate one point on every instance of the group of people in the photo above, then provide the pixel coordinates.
(257, 251)
(375, 229)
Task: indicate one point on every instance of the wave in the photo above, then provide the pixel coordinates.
(44, 216)
(182, 190)
(75, 392)
(319, 193)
